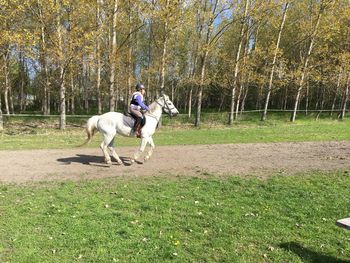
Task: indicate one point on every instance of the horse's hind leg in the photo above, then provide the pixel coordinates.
(107, 139)
(105, 153)
(113, 152)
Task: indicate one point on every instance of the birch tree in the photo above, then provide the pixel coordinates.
(98, 55)
(211, 11)
(113, 54)
(43, 58)
(306, 60)
(236, 69)
(269, 89)
(346, 97)
(60, 61)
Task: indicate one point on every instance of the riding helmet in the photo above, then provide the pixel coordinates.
(140, 86)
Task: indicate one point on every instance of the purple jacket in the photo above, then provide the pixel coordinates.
(137, 101)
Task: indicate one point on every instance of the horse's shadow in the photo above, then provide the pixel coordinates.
(91, 160)
(308, 255)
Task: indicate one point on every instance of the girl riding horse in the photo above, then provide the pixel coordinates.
(136, 105)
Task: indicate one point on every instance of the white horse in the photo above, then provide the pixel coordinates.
(112, 123)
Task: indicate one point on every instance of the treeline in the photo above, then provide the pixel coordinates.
(72, 56)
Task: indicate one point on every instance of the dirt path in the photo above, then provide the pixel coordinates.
(242, 159)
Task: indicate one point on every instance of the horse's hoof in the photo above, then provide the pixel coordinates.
(108, 162)
(146, 159)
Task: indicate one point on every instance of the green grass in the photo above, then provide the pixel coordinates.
(34, 134)
(179, 219)
(163, 219)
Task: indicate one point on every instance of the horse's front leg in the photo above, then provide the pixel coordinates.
(141, 149)
(150, 152)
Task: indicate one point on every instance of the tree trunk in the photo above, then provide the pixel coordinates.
(204, 57)
(306, 61)
(12, 109)
(164, 51)
(235, 76)
(269, 89)
(200, 91)
(285, 100)
(307, 98)
(7, 82)
(244, 98)
(72, 84)
(190, 102)
(238, 100)
(113, 59)
(222, 101)
(22, 80)
(322, 103)
(46, 99)
(61, 68)
(98, 57)
(346, 96)
(172, 91)
(86, 88)
(1, 118)
(336, 92)
(149, 60)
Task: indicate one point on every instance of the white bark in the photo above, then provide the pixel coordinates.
(113, 59)
(98, 57)
(7, 82)
(46, 88)
(306, 62)
(235, 76)
(346, 96)
(1, 118)
(61, 68)
(164, 51)
(269, 89)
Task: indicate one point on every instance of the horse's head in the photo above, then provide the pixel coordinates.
(168, 105)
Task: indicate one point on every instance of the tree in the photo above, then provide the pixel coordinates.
(61, 62)
(306, 61)
(269, 89)
(238, 53)
(210, 13)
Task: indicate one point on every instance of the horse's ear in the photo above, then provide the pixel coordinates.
(162, 93)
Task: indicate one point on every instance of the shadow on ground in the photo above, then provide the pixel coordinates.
(90, 160)
(308, 255)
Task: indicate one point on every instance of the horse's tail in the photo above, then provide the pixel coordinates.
(91, 128)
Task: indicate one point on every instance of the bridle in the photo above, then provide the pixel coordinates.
(167, 106)
(162, 106)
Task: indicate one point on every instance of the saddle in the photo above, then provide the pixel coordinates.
(131, 124)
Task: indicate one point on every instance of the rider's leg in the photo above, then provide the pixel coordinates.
(137, 116)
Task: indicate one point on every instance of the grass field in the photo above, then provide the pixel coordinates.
(176, 219)
(40, 134)
(282, 219)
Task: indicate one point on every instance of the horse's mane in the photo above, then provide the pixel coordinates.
(152, 107)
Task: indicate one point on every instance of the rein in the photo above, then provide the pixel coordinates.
(162, 106)
(167, 106)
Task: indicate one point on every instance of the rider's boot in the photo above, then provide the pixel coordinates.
(137, 127)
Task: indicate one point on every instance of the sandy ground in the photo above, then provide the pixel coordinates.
(260, 159)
